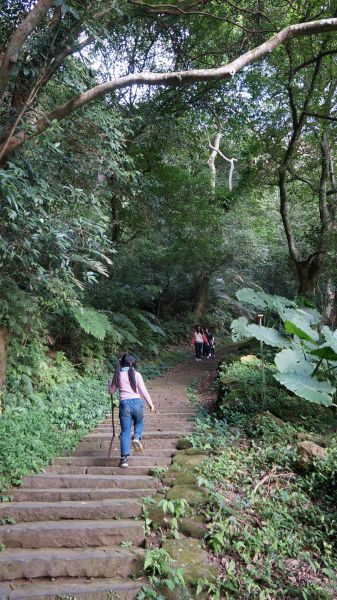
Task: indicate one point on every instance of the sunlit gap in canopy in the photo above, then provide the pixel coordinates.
(110, 63)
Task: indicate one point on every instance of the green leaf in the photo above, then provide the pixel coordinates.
(330, 336)
(325, 352)
(270, 336)
(239, 329)
(297, 323)
(293, 361)
(307, 387)
(250, 296)
(261, 299)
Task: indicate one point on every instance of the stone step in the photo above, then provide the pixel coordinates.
(71, 562)
(101, 453)
(100, 461)
(185, 412)
(72, 534)
(159, 423)
(53, 480)
(162, 435)
(57, 495)
(158, 442)
(69, 509)
(131, 470)
(81, 589)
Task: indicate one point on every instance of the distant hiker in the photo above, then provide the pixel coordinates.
(132, 389)
(206, 350)
(198, 340)
(211, 344)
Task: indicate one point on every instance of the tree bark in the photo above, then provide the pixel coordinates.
(308, 272)
(211, 161)
(4, 339)
(330, 309)
(18, 39)
(201, 296)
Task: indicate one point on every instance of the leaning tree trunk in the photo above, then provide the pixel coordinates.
(201, 297)
(4, 338)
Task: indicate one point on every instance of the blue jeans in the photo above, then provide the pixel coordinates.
(130, 411)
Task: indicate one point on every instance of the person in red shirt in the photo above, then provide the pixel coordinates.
(198, 340)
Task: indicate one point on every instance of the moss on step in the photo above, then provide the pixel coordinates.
(187, 459)
(189, 554)
(193, 495)
(193, 527)
(183, 444)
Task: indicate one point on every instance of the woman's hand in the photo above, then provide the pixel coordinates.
(152, 409)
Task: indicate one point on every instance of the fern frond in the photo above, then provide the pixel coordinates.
(91, 321)
(153, 327)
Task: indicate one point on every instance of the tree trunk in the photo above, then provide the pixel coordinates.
(330, 314)
(201, 297)
(4, 339)
(308, 272)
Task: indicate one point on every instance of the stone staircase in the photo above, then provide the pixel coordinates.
(77, 532)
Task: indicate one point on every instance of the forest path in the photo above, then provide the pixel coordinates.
(76, 533)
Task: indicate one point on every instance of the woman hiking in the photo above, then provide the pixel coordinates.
(132, 391)
(198, 340)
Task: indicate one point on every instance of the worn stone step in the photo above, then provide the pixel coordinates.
(185, 412)
(57, 495)
(54, 480)
(81, 589)
(72, 534)
(152, 426)
(101, 453)
(159, 442)
(162, 435)
(69, 509)
(71, 562)
(131, 470)
(100, 461)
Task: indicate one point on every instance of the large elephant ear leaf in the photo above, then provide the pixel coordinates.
(297, 323)
(263, 300)
(325, 352)
(331, 337)
(239, 329)
(254, 297)
(307, 387)
(270, 336)
(293, 361)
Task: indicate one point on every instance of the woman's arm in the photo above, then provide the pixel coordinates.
(112, 387)
(143, 391)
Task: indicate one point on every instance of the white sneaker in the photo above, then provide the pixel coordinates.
(137, 446)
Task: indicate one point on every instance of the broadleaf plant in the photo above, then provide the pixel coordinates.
(308, 359)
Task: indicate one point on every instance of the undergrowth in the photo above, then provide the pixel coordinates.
(271, 524)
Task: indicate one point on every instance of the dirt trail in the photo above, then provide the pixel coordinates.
(76, 533)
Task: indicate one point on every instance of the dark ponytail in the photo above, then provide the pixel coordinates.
(127, 360)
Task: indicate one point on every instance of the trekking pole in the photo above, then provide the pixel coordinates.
(113, 430)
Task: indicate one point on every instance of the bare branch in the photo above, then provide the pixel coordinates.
(18, 39)
(211, 160)
(318, 116)
(216, 150)
(297, 177)
(312, 60)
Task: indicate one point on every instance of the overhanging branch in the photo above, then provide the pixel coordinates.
(179, 77)
(18, 39)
